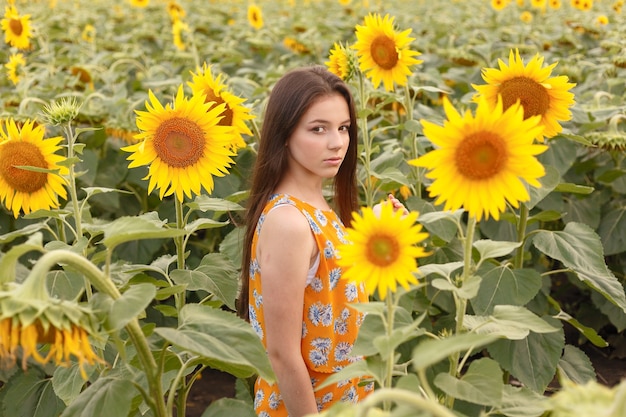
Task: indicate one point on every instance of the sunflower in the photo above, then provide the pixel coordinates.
(341, 62)
(183, 144)
(554, 4)
(175, 10)
(235, 113)
(499, 4)
(89, 33)
(139, 3)
(382, 249)
(15, 67)
(526, 16)
(532, 85)
(538, 4)
(30, 317)
(30, 169)
(484, 161)
(16, 28)
(178, 27)
(384, 54)
(602, 20)
(255, 17)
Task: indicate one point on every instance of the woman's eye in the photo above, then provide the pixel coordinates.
(318, 129)
(344, 128)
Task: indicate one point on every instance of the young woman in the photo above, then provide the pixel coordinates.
(292, 291)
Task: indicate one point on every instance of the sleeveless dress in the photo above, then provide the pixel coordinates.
(329, 325)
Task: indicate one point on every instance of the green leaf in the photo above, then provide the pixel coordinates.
(612, 231)
(130, 228)
(131, 304)
(67, 382)
(532, 360)
(588, 332)
(493, 249)
(445, 270)
(522, 402)
(66, 285)
(576, 366)
(229, 407)
(104, 398)
(431, 351)
(216, 274)
(548, 183)
(512, 322)
(468, 290)
(441, 223)
(580, 249)
(566, 187)
(502, 285)
(206, 203)
(9, 261)
(222, 339)
(202, 224)
(28, 394)
(481, 384)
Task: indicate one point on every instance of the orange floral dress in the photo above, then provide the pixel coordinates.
(329, 325)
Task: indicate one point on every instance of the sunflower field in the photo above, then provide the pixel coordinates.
(128, 131)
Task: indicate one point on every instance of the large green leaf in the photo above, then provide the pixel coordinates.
(105, 398)
(512, 322)
(612, 231)
(494, 249)
(576, 366)
(206, 203)
(216, 275)
(222, 339)
(130, 305)
(8, 262)
(431, 351)
(580, 249)
(229, 407)
(522, 402)
(67, 382)
(548, 183)
(502, 285)
(481, 384)
(532, 360)
(130, 228)
(30, 394)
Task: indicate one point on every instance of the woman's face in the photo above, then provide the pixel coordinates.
(321, 138)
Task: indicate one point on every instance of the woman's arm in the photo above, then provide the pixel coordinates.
(285, 248)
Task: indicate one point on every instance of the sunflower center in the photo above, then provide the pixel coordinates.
(15, 154)
(227, 119)
(16, 26)
(532, 95)
(179, 142)
(382, 250)
(480, 155)
(384, 52)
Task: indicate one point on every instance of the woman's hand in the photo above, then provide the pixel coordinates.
(397, 205)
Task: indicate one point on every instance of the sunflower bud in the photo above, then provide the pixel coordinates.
(61, 111)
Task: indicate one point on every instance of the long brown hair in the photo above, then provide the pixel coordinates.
(290, 98)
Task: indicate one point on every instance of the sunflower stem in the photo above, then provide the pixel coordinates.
(518, 261)
(106, 286)
(72, 179)
(71, 140)
(408, 106)
(179, 241)
(391, 354)
(461, 303)
(367, 145)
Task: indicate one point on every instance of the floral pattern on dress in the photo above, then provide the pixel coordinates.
(329, 326)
